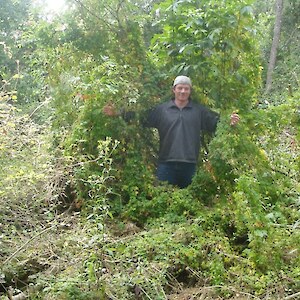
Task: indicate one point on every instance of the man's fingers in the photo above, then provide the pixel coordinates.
(109, 109)
(234, 119)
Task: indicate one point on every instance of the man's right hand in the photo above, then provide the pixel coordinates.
(110, 110)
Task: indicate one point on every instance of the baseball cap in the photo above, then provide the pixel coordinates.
(182, 80)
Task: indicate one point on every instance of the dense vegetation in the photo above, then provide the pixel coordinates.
(81, 214)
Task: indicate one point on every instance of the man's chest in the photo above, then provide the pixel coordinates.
(174, 117)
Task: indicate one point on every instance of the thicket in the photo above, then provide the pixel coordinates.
(103, 227)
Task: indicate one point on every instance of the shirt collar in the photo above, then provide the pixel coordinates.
(172, 104)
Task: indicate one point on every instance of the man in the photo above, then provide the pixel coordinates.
(179, 122)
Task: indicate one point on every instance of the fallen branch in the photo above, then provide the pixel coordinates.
(29, 241)
(20, 296)
(292, 296)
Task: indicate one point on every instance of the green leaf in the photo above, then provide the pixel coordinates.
(261, 233)
(17, 76)
(247, 11)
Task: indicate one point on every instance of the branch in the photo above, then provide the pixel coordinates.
(29, 241)
(292, 296)
(38, 107)
(94, 14)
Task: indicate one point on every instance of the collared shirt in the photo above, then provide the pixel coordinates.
(180, 129)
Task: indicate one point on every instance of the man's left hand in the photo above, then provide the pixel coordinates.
(234, 119)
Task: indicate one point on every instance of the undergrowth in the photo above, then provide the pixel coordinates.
(80, 228)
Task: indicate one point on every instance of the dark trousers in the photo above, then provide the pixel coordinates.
(176, 173)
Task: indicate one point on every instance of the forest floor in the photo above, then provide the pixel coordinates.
(34, 259)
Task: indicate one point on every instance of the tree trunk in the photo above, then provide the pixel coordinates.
(275, 43)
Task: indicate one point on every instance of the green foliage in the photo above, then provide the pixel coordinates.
(11, 12)
(14, 23)
(205, 188)
(23, 157)
(214, 44)
(90, 181)
(176, 205)
(80, 92)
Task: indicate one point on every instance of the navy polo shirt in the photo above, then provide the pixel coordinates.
(180, 129)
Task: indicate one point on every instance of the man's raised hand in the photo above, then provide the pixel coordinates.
(110, 110)
(234, 119)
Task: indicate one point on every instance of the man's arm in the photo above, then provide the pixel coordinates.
(212, 118)
(111, 111)
(148, 118)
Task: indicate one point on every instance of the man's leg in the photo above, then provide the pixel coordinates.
(176, 173)
(184, 174)
(166, 171)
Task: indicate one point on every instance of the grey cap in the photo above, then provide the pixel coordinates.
(182, 80)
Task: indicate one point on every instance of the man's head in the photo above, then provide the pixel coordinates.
(182, 80)
(182, 87)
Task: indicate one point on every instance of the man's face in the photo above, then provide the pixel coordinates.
(182, 92)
